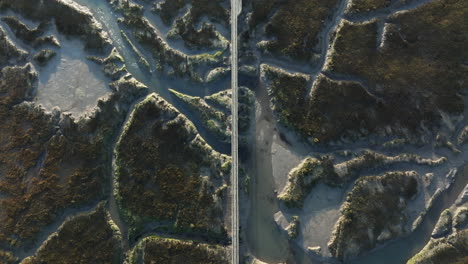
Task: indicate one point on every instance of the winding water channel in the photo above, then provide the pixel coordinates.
(265, 239)
(155, 82)
(269, 244)
(268, 146)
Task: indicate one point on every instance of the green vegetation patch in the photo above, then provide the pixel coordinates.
(9, 53)
(86, 238)
(213, 9)
(206, 36)
(304, 177)
(140, 56)
(451, 249)
(295, 25)
(329, 111)
(166, 171)
(261, 9)
(65, 15)
(49, 161)
(415, 74)
(7, 257)
(44, 56)
(288, 94)
(358, 6)
(293, 228)
(373, 212)
(215, 110)
(155, 249)
(246, 107)
(175, 62)
(169, 9)
(417, 71)
(311, 171)
(43, 171)
(217, 122)
(22, 31)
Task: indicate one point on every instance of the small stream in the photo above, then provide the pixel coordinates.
(156, 82)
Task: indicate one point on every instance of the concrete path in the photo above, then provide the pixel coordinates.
(236, 6)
